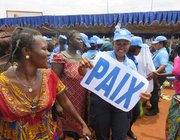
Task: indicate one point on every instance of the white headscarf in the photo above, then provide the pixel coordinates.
(145, 64)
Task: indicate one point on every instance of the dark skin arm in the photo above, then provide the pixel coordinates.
(161, 69)
(66, 103)
(58, 69)
(163, 74)
(154, 74)
(68, 106)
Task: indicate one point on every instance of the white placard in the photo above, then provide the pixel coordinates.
(114, 82)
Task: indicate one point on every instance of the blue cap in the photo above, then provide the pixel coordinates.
(98, 40)
(93, 40)
(62, 37)
(85, 40)
(159, 39)
(122, 34)
(136, 41)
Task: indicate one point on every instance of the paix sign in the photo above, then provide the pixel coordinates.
(114, 82)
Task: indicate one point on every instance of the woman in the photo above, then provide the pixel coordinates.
(65, 65)
(28, 91)
(160, 59)
(104, 116)
(173, 118)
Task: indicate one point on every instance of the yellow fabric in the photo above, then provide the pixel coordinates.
(60, 87)
(28, 119)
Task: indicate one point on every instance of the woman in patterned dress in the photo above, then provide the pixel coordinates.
(65, 65)
(28, 92)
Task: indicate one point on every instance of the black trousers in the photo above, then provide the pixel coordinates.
(105, 117)
(134, 114)
(155, 94)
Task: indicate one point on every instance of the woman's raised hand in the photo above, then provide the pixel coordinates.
(84, 63)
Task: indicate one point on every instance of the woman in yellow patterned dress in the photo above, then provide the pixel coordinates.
(28, 92)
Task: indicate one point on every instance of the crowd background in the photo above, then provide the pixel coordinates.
(67, 47)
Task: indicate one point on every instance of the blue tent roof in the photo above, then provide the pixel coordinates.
(92, 20)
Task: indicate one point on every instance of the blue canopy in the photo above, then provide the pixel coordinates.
(92, 20)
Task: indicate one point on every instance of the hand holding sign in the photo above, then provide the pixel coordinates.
(114, 82)
(85, 63)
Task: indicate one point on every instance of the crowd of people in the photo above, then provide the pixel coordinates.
(41, 96)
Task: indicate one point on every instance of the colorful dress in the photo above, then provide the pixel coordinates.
(173, 121)
(22, 118)
(75, 92)
(173, 118)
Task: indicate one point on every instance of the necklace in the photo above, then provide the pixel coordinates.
(29, 86)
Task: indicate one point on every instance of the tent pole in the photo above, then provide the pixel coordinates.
(107, 6)
(151, 5)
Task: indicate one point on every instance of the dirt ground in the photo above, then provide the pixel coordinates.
(152, 127)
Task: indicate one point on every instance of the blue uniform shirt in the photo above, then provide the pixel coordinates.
(160, 57)
(128, 62)
(57, 49)
(90, 54)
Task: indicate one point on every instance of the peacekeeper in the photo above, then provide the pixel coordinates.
(104, 116)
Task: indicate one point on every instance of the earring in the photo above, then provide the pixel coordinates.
(27, 57)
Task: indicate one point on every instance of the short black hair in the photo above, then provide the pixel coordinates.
(164, 43)
(132, 49)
